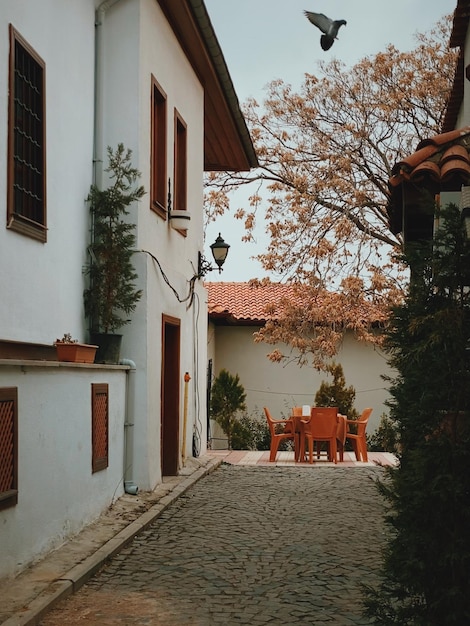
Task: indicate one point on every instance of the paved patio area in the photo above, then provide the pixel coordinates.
(284, 459)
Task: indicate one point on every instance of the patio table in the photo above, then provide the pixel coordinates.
(296, 419)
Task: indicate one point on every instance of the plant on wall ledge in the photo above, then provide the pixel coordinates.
(112, 294)
(69, 349)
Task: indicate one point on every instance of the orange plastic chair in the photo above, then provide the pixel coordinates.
(281, 430)
(322, 426)
(358, 439)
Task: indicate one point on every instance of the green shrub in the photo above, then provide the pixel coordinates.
(385, 438)
(252, 433)
(227, 398)
(336, 393)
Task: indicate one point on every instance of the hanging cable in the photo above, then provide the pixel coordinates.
(192, 281)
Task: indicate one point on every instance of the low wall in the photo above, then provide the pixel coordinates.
(58, 494)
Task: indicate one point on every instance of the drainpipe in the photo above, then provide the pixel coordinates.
(99, 90)
(98, 139)
(129, 485)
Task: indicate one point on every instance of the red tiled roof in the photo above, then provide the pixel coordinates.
(439, 159)
(441, 163)
(244, 303)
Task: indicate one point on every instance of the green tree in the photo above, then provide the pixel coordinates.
(227, 398)
(425, 575)
(335, 393)
(112, 294)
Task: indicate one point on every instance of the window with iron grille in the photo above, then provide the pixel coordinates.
(99, 426)
(8, 447)
(26, 202)
(158, 155)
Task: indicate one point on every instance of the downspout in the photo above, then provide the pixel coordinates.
(99, 90)
(129, 485)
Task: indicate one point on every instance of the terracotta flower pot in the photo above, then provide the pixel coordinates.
(75, 352)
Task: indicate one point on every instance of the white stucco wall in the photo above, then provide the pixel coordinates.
(127, 103)
(279, 387)
(57, 492)
(44, 282)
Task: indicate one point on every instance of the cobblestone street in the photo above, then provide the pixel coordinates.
(246, 545)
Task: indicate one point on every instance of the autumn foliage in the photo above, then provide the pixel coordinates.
(326, 152)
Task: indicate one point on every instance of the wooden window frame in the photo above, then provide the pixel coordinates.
(180, 175)
(99, 420)
(26, 166)
(9, 462)
(158, 176)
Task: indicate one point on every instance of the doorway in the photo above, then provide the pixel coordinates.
(170, 408)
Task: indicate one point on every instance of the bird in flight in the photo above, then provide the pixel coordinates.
(329, 27)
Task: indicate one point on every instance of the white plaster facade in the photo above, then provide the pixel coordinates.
(98, 94)
(58, 494)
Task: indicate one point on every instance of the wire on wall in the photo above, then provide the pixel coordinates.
(192, 281)
(191, 298)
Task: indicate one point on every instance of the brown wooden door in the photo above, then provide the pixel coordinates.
(170, 408)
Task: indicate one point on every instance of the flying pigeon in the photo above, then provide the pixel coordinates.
(329, 27)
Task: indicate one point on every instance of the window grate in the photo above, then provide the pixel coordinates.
(26, 155)
(100, 424)
(8, 447)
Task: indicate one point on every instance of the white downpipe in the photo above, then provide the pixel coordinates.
(98, 159)
(129, 485)
(98, 138)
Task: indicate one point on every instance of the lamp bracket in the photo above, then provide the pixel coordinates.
(204, 266)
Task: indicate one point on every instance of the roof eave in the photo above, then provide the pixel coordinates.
(227, 141)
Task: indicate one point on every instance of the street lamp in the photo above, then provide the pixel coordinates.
(219, 251)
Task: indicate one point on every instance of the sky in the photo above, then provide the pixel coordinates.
(263, 40)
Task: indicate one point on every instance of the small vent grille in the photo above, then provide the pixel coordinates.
(100, 399)
(8, 447)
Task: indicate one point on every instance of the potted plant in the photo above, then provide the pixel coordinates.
(112, 295)
(70, 350)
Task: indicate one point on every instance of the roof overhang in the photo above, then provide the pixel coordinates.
(441, 163)
(227, 141)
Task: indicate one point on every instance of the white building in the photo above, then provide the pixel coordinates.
(76, 77)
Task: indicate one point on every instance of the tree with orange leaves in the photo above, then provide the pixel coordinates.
(325, 154)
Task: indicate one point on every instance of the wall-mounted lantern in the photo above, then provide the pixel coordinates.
(219, 251)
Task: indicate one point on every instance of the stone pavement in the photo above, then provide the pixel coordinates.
(247, 545)
(61, 573)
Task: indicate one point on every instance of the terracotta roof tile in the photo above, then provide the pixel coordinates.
(439, 157)
(441, 163)
(244, 302)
